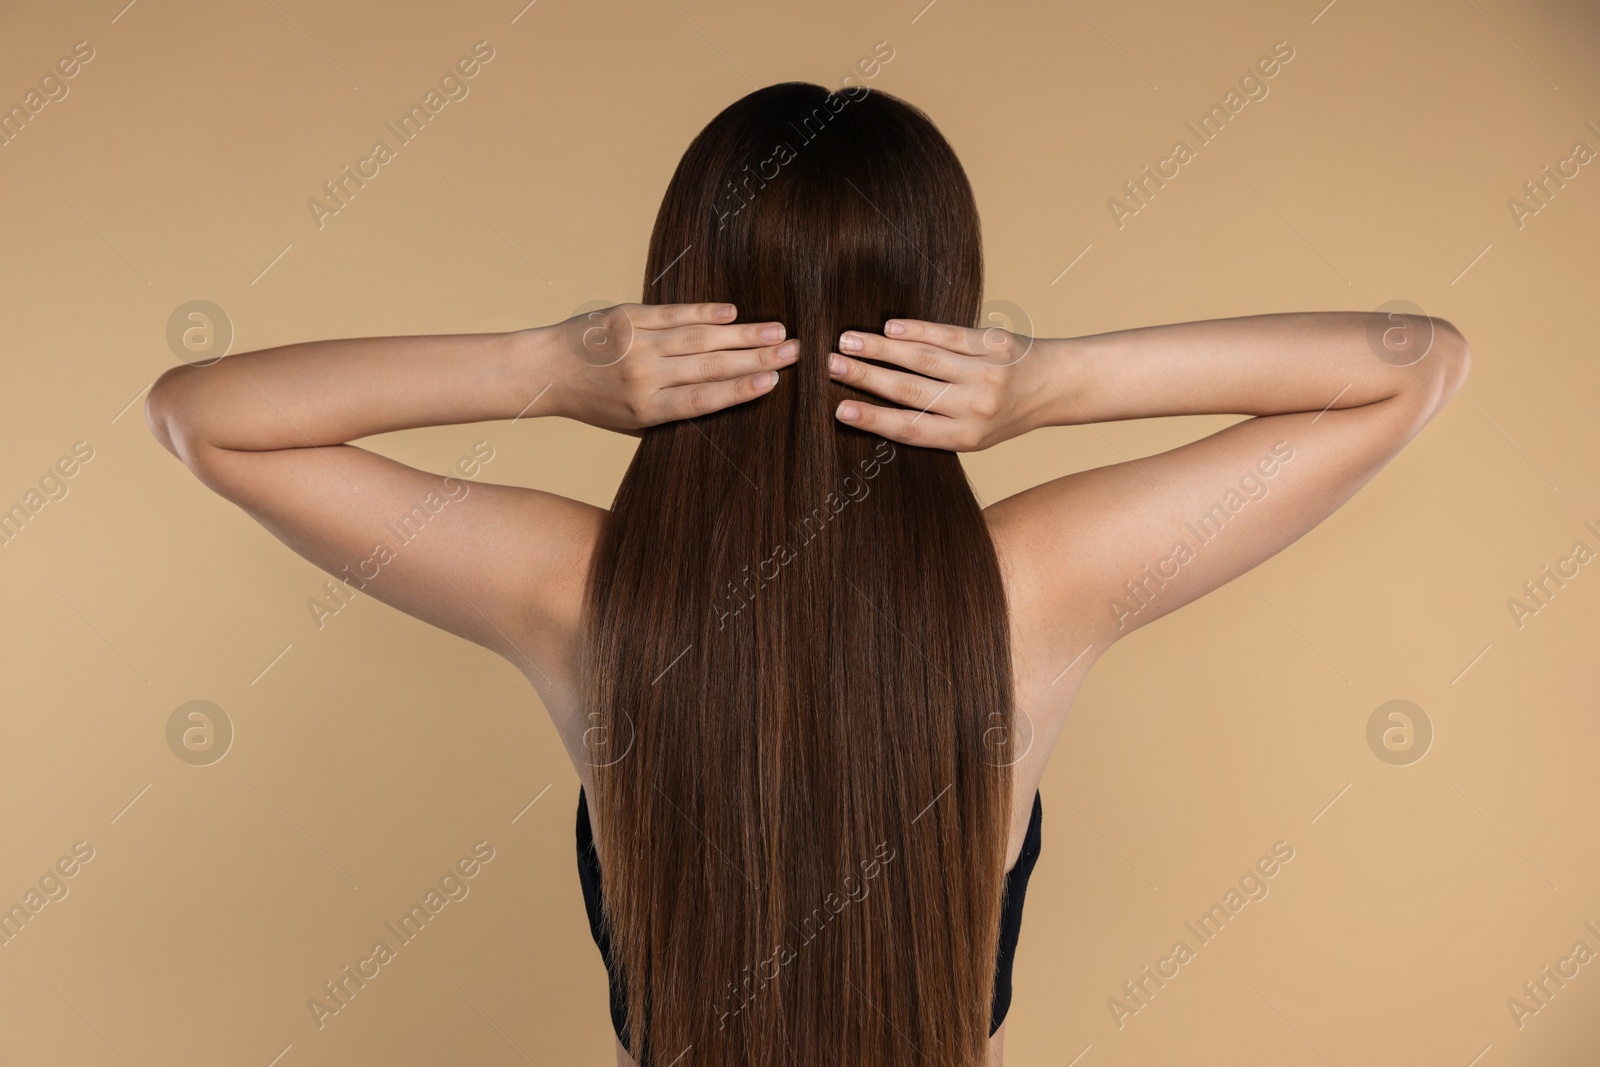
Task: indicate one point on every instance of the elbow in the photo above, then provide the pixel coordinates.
(156, 415)
(167, 408)
(161, 410)
(1441, 370)
(1455, 355)
(1431, 381)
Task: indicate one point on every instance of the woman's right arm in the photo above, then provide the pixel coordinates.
(1093, 556)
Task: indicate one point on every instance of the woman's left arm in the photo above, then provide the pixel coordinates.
(503, 566)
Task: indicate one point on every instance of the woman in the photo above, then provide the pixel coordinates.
(810, 685)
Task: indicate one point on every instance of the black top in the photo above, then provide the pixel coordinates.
(1016, 888)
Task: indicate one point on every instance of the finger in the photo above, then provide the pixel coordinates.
(966, 341)
(720, 366)
(921, 428)
(926, 359)
(690, 401)
(912, 390)
(666, 316)
(998, 346)
(703, 337)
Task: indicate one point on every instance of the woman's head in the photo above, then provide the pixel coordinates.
(797, 649)
(840, 209)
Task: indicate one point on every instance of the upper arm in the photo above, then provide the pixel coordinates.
(1093, 556)
(502, 566)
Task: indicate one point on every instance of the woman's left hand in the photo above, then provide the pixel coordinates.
(970, 389)
(632, 366)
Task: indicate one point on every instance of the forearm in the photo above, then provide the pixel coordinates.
(331, 392)
(1258, 365)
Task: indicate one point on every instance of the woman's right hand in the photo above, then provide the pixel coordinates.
(631, 366)
(962, 389)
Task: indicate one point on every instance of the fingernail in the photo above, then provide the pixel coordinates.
(847, 411)
(849, 342)
(789, 350)
(771, 379)
(836, 363)
(772, 332)
(893, 328)
(725, 311)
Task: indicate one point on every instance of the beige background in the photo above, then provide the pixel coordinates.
(370, 754)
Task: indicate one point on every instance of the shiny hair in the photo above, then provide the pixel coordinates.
(796, 633)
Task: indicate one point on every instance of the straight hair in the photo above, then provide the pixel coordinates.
(796, 647)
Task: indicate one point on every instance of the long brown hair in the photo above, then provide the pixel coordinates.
(797, 637)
